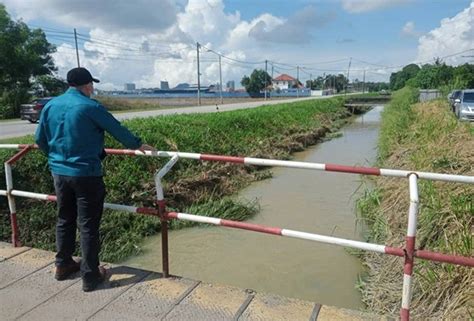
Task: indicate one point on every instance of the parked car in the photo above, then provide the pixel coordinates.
(32, 111)
(464, 105)
(452, 97)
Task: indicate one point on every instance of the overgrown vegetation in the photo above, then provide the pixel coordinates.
(436, 75)
(424, 137)
(202, 188)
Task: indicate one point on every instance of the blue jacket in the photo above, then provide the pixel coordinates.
(71, 131)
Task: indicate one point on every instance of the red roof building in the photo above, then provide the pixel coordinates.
(285, 81)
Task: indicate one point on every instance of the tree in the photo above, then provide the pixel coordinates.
(433, 76)
(256, 82)
(399, 79)
(24, 55)
(463, 77)
(47, 85)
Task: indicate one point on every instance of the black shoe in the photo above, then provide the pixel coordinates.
(63, 272)
(88, 286)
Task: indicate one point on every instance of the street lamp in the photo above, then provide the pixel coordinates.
(220, 74)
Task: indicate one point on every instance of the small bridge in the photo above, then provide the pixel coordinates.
(359, 104)
(28, 291)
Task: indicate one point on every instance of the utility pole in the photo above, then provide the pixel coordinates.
(220, 79)
(348, 71)
(198, 74)
(310, 81)
(77, 49)
(265, 90)
(297, 81)
(363, 85)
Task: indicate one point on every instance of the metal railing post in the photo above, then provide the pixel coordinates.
(12, 206)
(164, 238)
(409, 248)
(160, 200)
(10, 197)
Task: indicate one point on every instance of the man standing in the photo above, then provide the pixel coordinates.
(71, 133)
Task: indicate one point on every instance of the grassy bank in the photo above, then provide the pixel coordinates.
(423, 137)
(204, 188)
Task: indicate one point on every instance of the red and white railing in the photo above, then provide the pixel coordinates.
(409, 252)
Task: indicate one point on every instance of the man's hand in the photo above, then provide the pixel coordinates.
(146, 147)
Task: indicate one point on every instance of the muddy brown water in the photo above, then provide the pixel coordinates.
(303, 200)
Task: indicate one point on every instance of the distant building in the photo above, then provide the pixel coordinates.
(230, 85)
(284, 81)
(164, 85)
(129, 87)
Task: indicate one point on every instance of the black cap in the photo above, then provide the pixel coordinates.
(80, 76)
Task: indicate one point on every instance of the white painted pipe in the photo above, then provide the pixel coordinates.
(334, 241)
(413, 210)
(118, 207)
(44, 197)
(280, 163)
(168, 166)
(158, 176)
(47, 197)
(10, 146)
(199, 218)
(9, 182)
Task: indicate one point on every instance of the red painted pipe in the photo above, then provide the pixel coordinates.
(252, 227)
(396, 251)
(113, 151)
(19, 155)
(173, 215)
(445, 258)
(15, 232)
(148, 211)
(353, 169)
(218, 158)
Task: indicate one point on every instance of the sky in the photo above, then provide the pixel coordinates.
(148, 41)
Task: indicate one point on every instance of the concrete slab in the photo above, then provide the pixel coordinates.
(74, 304)
(29, 292)
(274, 307)
(21, 265)
(7, 250)
(150, 299)
(328, 313)
(209, 302)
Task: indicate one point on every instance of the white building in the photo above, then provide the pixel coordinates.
(284, 81)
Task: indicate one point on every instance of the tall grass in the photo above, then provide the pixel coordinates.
(424, 137)
(202, 188)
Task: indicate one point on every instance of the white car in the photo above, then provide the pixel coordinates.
(464, 105)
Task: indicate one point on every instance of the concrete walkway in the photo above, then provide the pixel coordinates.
(28, 291)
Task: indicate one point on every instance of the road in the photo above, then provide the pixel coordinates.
(18, 128)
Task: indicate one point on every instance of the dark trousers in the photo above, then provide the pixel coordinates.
(80, 203)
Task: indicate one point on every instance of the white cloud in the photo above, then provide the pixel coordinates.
(359, 6)
(124, 16)
(409, 30)
(157, 39)
(296, 29)
(454, 35)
